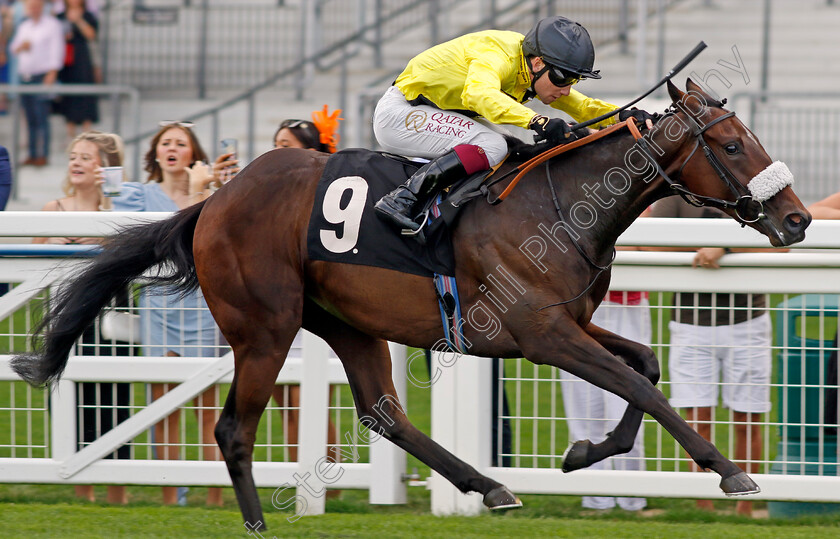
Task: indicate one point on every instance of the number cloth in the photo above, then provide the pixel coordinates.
(343, 226)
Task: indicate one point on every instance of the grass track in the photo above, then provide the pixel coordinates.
(66, 520)
(44, 511)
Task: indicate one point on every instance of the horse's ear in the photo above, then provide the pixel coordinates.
(674, 92)
(693, 87)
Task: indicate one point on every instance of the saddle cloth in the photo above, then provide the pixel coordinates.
(344, 228)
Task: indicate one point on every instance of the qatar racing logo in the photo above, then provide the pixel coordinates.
(415, 120)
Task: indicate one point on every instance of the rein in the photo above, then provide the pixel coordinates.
(741, 204)
(744, 205)
(529, 165)
(601, 269)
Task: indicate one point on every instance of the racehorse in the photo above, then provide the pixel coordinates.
(246, 247)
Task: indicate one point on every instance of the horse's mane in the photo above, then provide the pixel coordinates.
(520, 150)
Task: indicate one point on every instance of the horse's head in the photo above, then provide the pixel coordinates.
(722, 164)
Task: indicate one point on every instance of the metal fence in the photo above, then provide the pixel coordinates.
(802, 130)
(120, 98)
(798, 459)
(58, 436)
(798, 456)
(173, 45)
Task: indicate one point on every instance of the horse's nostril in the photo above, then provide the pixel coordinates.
(796, 222)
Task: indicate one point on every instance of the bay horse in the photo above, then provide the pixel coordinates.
(246, 247)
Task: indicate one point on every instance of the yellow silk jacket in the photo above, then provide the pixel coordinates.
(485, 73)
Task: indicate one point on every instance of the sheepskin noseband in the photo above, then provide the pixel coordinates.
(770, 181)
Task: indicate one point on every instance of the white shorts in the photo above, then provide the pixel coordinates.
(741, 351)
(426, 131)
(592, 412)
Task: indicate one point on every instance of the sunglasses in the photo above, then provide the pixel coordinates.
(290, 124)
(170, 123)
(559, 78)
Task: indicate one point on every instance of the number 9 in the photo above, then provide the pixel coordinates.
(350, 216)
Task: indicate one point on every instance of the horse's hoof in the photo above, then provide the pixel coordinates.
(739, 485)
(576, 456)
(501, 498)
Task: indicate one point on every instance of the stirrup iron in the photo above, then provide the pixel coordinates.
(420, 226)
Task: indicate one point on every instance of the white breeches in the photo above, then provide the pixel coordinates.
(426, 131)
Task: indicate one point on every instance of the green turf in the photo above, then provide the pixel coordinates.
(351, 516)
(52, 510)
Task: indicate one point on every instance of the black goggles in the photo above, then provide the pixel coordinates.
(559, 78)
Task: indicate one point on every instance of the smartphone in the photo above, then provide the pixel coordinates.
(229, 146)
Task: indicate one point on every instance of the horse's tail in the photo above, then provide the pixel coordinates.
(125, 257)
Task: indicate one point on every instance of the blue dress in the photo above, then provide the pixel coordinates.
(168, 322)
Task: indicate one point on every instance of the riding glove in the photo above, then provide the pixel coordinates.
(554, 130)
(640, 115)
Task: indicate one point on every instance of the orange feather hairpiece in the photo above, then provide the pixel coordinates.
(327, 126)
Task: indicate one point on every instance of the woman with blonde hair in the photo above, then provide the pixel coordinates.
(88, 154)
(101, 405)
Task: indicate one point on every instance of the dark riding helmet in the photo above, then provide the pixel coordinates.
(564, 45)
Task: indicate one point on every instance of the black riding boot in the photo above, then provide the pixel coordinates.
(399, 205)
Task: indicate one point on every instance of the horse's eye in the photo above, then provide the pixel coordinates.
(731, 149)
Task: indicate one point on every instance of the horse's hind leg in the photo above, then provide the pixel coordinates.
(260, 340)
(367, 362)
(258, 361)
(583, 453)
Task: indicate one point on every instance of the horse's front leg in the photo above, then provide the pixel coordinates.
(583, 453)
(565, 345)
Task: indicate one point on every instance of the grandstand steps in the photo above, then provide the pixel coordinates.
(803, 36)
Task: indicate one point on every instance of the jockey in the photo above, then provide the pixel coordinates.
(445, 103)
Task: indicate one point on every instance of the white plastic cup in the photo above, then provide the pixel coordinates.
(113, 181)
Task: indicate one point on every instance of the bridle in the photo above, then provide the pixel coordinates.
(746, 207)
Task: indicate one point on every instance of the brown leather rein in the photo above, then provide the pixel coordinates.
(527, 166)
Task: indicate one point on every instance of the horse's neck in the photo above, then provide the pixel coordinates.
(609, 188)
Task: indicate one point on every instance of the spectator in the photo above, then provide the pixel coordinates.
(39, 46)
(80, 31)
(714, 334)
(829, 208)
(5, 177)
(5, 192)
(320, 134)
(171, 325)
(591, 412)
(11, 15)
(92, 6)
(6, 27)
(88, 153)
